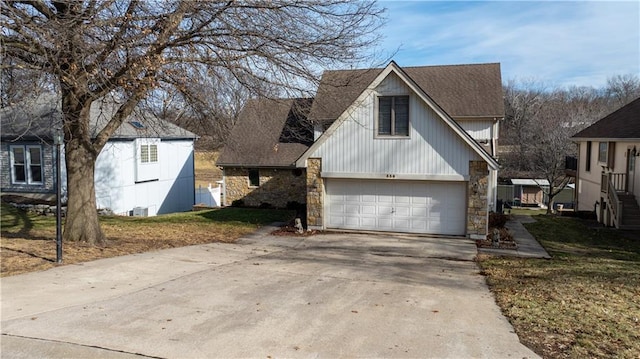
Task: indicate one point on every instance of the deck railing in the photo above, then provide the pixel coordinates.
(611, 184)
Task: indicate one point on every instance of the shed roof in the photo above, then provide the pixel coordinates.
(621, 124)
(36, 118)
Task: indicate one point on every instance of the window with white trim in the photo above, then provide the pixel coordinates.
(148, 153)
(26, 164)
(393, 116)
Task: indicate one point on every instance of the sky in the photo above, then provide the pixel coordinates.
(557, 43)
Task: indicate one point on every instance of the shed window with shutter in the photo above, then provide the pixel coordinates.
(148, 160)
(148, 153)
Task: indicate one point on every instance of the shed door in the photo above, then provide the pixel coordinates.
(397, 206)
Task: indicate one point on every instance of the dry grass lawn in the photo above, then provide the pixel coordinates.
(28, 241)
(584, 302)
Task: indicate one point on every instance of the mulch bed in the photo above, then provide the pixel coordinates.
(506, 240)
(289, 230)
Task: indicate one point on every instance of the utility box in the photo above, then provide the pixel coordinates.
(140, 211)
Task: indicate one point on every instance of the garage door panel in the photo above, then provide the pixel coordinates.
(368, 209)
(418, 211)
(419, 224)
(402, 211)
(385, 209)
(401, 206)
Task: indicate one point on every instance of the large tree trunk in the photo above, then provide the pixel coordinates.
(82, 217)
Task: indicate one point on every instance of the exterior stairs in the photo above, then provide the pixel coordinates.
(630, 211)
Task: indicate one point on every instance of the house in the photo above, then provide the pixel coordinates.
(146, 168)
(608, 180)
(386, 149)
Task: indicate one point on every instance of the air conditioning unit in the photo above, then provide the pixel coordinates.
(140, 211)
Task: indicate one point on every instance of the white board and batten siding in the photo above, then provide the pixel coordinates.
(479, 129)
(415, 184)
(165, 187)
(432, 151)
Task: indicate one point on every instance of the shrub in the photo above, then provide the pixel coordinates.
(497, 220)
(237, 203)
(294, 205)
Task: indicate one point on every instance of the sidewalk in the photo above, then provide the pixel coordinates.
(528, 247)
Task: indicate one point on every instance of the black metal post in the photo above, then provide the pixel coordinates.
(58, 202)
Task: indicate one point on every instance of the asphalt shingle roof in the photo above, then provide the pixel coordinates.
(261, 136)
(473, 90)
(36, 119)
(623, 124)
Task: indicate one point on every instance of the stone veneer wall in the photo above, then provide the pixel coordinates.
(477, 215)
(277, 187)
(315, 190)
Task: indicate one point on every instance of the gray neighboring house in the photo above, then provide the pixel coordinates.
(146, 168)
(386, 149)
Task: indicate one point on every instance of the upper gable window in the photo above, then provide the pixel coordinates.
(393, 116)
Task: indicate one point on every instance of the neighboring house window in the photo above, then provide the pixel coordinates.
(587, 165)
(393, 116)
(26, 164)
(148, 153)
(602, 152)
(606, 153)
(254, 178)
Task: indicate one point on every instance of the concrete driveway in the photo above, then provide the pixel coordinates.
(334, 295)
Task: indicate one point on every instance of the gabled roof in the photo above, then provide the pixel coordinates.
(472, 90)
(394, 68)
(621, 124)
(269, 133)
(36, 119)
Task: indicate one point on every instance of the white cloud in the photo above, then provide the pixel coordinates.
(561, 43)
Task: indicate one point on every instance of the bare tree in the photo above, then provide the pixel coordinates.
(552, 128)
(523, 102)
(129, 49)
(622, 89)
(539, 122)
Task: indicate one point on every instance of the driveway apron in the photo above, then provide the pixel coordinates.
(328, 296)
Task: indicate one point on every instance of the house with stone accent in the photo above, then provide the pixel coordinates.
(386, 149)
(146, 168)
(607, 176)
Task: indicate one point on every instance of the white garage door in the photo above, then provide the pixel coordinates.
(397, 206)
